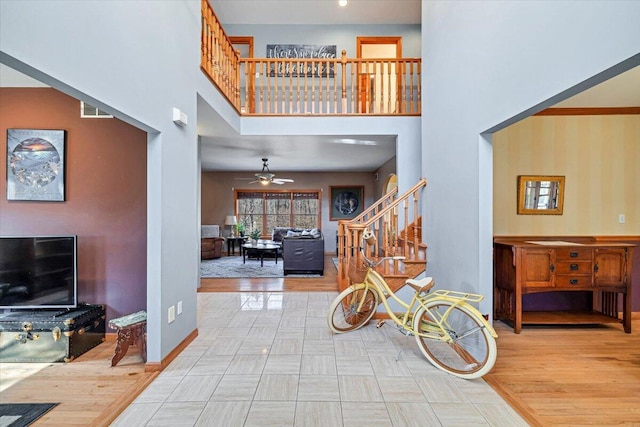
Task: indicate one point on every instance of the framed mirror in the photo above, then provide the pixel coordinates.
(540, 194)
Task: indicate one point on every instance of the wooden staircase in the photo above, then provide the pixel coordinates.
(397, 224)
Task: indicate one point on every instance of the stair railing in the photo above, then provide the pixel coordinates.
(383, 219)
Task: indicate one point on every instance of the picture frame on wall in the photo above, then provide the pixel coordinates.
(36, 165)
(346, 202)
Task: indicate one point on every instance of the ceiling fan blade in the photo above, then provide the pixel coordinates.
(283, 180)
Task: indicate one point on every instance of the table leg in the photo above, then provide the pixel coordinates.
(139, 339)
(244, 253)
(261, 258)
(122, 345)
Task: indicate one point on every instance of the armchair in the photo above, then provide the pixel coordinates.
(211, 243)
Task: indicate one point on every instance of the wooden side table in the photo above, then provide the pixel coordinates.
(231, 244)
(132, 329)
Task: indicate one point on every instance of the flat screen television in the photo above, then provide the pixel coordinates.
(38, 272)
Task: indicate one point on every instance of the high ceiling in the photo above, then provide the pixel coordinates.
(225, 150)
(317, 11)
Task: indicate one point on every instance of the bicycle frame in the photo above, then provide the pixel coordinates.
(433, 329)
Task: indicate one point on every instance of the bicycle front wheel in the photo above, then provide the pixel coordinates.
(352, 309)
(472, 351)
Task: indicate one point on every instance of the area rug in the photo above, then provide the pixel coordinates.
(22, 414)
(232, 267)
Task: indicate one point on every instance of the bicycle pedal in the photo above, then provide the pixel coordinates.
(380, 324)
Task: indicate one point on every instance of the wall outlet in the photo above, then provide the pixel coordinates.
(621, 218)
(179, 308)
(172, 313)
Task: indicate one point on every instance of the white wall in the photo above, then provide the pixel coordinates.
(487, 62)
(136, 60)
(343, 36)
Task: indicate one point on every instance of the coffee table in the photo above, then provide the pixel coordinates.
(261, 249)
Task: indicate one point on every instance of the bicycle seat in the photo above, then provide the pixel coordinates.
(421, 285)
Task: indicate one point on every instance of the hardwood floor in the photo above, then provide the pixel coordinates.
(552, 376)
(325, 283)
(556, 376)
(89, 390)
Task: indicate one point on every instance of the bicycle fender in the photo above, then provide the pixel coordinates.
(473, 310)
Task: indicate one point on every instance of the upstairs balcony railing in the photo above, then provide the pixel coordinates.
(294, 86)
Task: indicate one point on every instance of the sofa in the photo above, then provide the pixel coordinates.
(211, 242)
(302, 249)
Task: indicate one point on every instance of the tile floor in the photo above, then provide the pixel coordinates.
(269, 359)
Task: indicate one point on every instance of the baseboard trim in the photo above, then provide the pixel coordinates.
(159, 366)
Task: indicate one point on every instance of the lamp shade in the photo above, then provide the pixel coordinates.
(230, 220)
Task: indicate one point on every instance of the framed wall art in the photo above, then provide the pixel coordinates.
(346, 202)
(35, 165)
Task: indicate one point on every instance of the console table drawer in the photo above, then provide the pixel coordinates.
(574, 253)
(573, 281)
(574, 267)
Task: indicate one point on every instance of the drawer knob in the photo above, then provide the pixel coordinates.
(573, 281)
(573, 267)
(573, 254)
(595, 268)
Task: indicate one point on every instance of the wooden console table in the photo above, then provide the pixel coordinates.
(132, 329)
(543, 264)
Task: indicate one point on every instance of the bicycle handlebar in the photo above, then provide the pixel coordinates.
(369, 238)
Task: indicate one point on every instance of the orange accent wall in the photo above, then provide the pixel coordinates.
(105, 196)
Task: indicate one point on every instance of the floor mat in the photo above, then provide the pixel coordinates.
(22, 414)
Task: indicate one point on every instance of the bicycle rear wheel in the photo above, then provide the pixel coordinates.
(473, 351)
(344, 315)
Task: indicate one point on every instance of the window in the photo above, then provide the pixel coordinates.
(90, 112)
(266, 210)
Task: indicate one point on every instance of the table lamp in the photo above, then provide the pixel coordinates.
(231, 220)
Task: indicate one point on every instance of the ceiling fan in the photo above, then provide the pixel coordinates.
(265, 177)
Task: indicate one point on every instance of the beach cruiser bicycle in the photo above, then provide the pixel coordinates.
(451, 333)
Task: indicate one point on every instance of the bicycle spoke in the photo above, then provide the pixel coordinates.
(465, 355)
(352, 309)
(466, 349)
(471, 331)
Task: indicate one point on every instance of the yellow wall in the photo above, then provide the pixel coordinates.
(598, 155)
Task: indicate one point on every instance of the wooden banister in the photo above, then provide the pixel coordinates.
(307, 86)
(383, 219)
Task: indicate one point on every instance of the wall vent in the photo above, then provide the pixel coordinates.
(90, 112)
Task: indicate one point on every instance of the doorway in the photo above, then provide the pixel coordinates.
(244, 46)
(378, 79)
